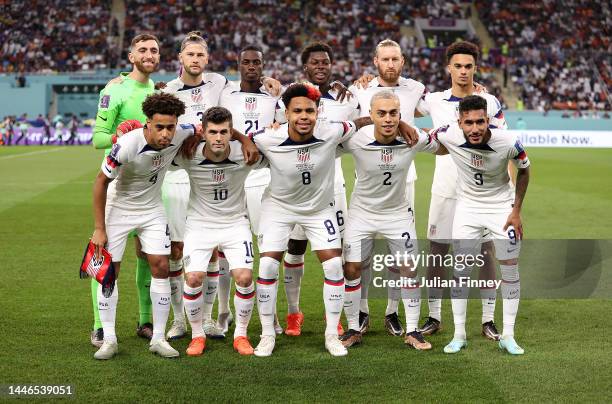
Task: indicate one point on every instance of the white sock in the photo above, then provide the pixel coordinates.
(244, 300)
(434, 302)
(212, 283)
(511, 294)
(488, 296)
(393, 293)
(411, 297)
(366, 277)
(160, 299)
(294, 271)
(176, 289)
(352, 293)
(225, 280)
(333, 293)
(267, 289)
(107, 307)
(193, 306)
(459, 301)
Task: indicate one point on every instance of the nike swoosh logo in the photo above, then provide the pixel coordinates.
(511, 251)
(333, 239)
(167, 246)
(104, 119)
(248, 262)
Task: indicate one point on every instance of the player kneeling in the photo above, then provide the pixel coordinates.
(216, 216)
(138, 163)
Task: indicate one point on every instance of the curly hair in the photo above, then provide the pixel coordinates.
(164, 104)
(462, 48)
(472, 103)
(316, 47)
(301, 90)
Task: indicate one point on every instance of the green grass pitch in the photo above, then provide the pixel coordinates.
(46, 217)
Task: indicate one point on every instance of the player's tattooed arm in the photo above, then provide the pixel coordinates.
(249, 150)
(272, 86)
(342, 90)
(99, 238)
(514, 219)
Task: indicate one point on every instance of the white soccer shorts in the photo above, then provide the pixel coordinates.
(471, 226)
(176, 199)
(151, 228)
(399, 231)
(253, 203)
(277, 224)
(235, 240)
(441, 214)
(340, 209)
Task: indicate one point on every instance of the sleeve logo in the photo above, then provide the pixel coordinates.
(105, 101)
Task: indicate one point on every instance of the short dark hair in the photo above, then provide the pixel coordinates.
(164, 104)
(472, 103)
(143, 37)
(251, 48)
(316, 47)
(216, 115)
(301, 90)
(462, 48)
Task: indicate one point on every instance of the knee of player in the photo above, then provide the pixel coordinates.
(176, 250)
(352, 270)
(243, 277)
(194, 279)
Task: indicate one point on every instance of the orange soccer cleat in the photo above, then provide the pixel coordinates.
(243, 346)
(196, 346)
(294, 324)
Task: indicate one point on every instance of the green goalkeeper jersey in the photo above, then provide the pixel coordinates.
(119, 102)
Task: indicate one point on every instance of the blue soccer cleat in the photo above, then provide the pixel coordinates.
(510, 345)
(455, 346)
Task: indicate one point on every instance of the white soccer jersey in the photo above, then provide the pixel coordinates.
(302, 172)
(217, 188)
(409, 92)
(443, 107)
(484, 183)
(250, 113)
(382, 170)
(139, 169)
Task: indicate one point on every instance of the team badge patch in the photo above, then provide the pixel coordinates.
(432, 230)
(250, 104)
(157, 161)
(196, 95)
(303, 155)
(386, 155)
(477, 161)
(105, 101)
(218, 175)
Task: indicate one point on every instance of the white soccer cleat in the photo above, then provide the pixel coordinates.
(278, 329)
(163, 349)
(334, 345)
(107, 350)
(178, 330)
(224, 321)
(211, 330)
(265, 346)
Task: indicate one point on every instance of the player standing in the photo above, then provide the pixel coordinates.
(442, 106)
(389, 62)
(486, 201)
(138, 162)
(121, 101)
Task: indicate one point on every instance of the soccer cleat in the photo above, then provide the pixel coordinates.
(277, 327)
(145, 331)
(364, 322)
(430, 326)
(490, 331)
(163, 349)
(243, 346)
(97, 337)
(177, 331)
(510, 345)
(334, 346)
(394, 325)
(350, 338)
(294, 324)
(225, 321)
(107, 351)
(211, 330)
(415, 340)
(455, 346)
(265, 346)
(196, 346)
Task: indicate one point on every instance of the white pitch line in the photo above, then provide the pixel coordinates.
(12, 156)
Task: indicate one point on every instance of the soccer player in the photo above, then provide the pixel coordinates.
(389, 62)
(138, 162)
(442, 106)
(216, 217)
(486, 201)
(252, 108)
(121, 100)
(301, 159)
(317, 59)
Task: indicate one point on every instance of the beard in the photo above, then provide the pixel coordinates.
(145, 70)
(390, 76)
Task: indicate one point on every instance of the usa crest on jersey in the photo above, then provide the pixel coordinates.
(196, 95)
(303, 155)
(157, 161)
(250, 104)
(218, 175)
(477, 161)
(386, 155)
